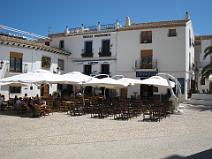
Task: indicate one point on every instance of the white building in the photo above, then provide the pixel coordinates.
(137, 50)
(19, 55)
(202, 42)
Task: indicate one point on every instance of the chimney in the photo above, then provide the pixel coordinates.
(66, 31)
(117, 24)
(187, 16)
(128, 21)
(82, 27)
(98, 27)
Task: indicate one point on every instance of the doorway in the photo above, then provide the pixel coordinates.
(44, 92)
(146, 91)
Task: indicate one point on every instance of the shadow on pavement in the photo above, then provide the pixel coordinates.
(207, 154)
(200, 107)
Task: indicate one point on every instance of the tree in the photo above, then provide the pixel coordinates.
(207, 70)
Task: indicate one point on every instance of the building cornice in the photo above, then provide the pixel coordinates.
(15, 42)
(136, 26)
(203, 37)
(56, 35)
(153, 25)
(94, 59)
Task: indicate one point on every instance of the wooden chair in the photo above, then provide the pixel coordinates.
(147, 112)
(38, 110)
(156, 113)
(77, 109)
(10, 105)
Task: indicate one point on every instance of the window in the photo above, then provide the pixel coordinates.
(88, 49)
(47, 43)
(87, 69)
(172, 32)
(105, 46)
(146, 37)
(45, 62)
(146, 59)
(182, 83)
(15, 89)
(61, 44)
(155, 89)
(105, 49)
(61, 64)
(16, 62)
(105, 69)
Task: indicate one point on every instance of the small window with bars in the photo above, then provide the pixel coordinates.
(45, 62)
(16, 62)
(146, 37)
(61, 64)
(172, 32)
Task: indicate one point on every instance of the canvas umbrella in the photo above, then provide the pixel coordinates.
(130, 81)
(74, 78)
(14, 84)
(106, 83)
(157, 81)
(37, 76)
(210, 78)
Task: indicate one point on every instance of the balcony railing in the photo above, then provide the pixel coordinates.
(146, 65)
(104, 52)
(86, 53)
(92, 28)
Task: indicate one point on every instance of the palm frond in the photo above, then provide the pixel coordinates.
(207, 51)
(206, 71)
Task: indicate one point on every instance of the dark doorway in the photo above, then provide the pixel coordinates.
(105, 69)
(87, 69)
(88, 91)
(146, 91)
(66, 90)
(44, 91)
(88, 47)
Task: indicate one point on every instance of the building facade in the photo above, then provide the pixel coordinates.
(19, 55)
(202, 42)
(136, 50)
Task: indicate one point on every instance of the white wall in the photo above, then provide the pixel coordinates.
(166, 50)
(75, 44)
(171, 53)
(31, 61)
(204, 62)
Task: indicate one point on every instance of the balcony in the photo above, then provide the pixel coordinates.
(104, 52)
(87, 53)
(146, 65)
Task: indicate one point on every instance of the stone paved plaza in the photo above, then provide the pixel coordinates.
(63, 136)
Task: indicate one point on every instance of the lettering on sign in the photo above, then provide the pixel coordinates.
(87, 36)
(97, 35)
(100, 35)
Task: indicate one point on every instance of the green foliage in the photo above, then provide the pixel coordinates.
(45, 62)
(208, 52)
(55, 94)
(207, 70)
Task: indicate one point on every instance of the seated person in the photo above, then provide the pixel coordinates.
(2, 102)
(18, 103)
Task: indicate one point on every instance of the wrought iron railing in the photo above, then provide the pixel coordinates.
(104, 52)
(87, 53)
(139, 64)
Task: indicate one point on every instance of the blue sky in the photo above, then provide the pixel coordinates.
(39, 16)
